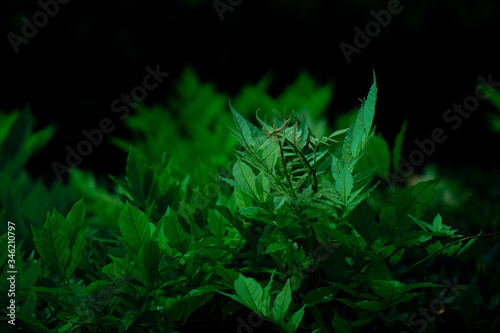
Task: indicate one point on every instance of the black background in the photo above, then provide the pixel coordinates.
(426, 59)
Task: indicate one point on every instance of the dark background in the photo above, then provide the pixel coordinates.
(426, 59)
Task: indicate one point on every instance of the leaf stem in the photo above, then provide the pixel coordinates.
(445, 247)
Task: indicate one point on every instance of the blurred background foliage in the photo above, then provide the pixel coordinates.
(192, 128)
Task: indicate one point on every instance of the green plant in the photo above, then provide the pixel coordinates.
(294, 239)
(306, 201)
(24, 199)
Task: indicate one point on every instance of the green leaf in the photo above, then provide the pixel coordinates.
(245, 179)
(149, 259)
(242, 199)
(76, 253)
(398, 147)
(236, 223)
(120, 268)
(270, 155)
(203, 290)
(377, 157)
(136, 169)
(357, 240)
(319, 295)
(262, 186)
(275, 247)
(378, 270)
(437, 228)
(362, 219)
(281, 303)
(194, 303)
(33, 321)
(134, 226)
(93, 287)
(175, 233)
(244, 129)
(394, 218)
(340, 325)
(372, 306)
(75, 218)
(364, 120)
(266, 297)
(294, 322)
(30, 276)
(250, 292)
(229, 276)
(54, 246)
(466, 246)
(423, 285)
(388, 290)
(344, 184)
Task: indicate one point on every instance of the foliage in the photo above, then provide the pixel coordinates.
(22, 198)
(191, 130)
(292, 236)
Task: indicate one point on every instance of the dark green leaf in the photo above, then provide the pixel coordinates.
(54, 246)
(134, 226)
(410, 201)
(149, 259)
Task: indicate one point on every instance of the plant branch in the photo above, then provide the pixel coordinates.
(445, 247)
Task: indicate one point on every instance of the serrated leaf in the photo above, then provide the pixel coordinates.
(244, 129)
(245, 179)
(279, 201)
(303, 139)
(262, 186)
(270, 155)
(134, 226)
(344, 184)
(362, 126)
(434, 247)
